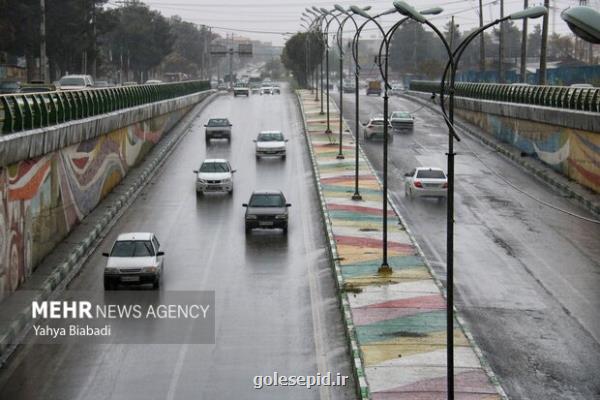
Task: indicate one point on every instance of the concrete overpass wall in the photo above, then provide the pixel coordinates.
(566, 140)
(51, 178)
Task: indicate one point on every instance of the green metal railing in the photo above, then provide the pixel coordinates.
(20, 112)
(572, 98)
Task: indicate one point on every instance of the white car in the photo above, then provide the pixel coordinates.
(134, 258)
(270, 144)
(426, 182)
(214, 175)
(373, 129)
(75, 82)
(401, 120)
(266, 90)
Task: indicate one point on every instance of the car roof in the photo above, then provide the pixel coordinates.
(267, 132)
(75, 76)
(267, 192)
(214, 160)
(429, 169)
(135, 236)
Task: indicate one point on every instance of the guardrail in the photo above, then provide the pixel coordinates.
(573, 98)
(20, 112)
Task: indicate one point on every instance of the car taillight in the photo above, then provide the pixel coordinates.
(445, 185)
(418, 184)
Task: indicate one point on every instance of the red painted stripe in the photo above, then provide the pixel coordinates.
(434, 301)
(358, 209)
(346, 178)
(373, 243)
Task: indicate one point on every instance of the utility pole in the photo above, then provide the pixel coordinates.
(544, 46)
(231, 63)
(501, 47)
(481, 39)
(44, 73)
(94, 45)
(524, 46)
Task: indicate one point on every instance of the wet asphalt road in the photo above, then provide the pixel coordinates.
(527, 277)
(276, 309)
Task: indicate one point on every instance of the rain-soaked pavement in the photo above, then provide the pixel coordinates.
(526, 276)
(276, 309)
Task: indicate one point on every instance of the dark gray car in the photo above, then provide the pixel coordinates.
(267, 209)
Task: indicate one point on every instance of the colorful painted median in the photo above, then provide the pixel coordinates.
(396, 323)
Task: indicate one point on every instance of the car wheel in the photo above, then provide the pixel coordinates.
(207, 139)
(410, 194)
(199, 193)
(156, 283)
(283, 157)
(285, 229)
(230, 192)
(108, 284)
(257, 157)
(248, 229)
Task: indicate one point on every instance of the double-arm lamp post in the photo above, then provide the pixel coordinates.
(357, 195)
(452, 66)
(382, 62)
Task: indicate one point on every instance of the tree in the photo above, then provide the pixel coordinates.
(296, 57)
(142, 39)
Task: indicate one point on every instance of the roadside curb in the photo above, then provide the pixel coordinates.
(357, 362)
(538, 170)
(65, 271)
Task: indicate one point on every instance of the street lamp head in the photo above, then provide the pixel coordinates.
(584, 22)
(407, 10)
(532, 12)
(390, 11)
(431, 11)
(360, 11)
(325, 11)
(340, 8)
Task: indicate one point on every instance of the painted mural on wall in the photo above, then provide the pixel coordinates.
(572, 152)
(42, 199)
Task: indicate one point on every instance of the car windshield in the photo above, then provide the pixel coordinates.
(72, 81)
(267, 200)
(431, 174)
(132, 248)
(270, 137)
(214, 167)
(400, 114)
(376, 122)
(218, 122)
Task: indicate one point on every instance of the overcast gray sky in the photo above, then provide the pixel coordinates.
(269, 19)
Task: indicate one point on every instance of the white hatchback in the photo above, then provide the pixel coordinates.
(214, 175)
(426, 182)
(270, 144)
(135, 258)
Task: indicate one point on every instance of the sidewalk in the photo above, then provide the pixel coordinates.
(396, 324)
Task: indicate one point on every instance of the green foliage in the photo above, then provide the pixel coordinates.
(302, 53)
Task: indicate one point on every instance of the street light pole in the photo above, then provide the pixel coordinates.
(357, 196)
(453, 58)
(384, 268)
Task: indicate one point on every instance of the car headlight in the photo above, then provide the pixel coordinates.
(111, 270)
(281, 216)
(226, 180)
(250, 216)
(201, 180)
(149, 269)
